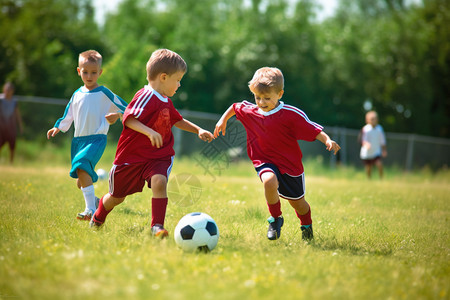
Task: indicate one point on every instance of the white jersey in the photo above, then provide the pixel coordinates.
(87, 110)
(374, 136)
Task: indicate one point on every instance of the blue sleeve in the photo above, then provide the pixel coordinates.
(116, 100)
(66, 116)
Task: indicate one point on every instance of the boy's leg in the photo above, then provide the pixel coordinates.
(105, 206)
(159, 205)
(379, 165)
(276, 220)
(303, 211)
(369, 170)
(270, 183)
(87, 187)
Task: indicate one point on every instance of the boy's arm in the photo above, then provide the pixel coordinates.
(113, 117)
(222, 123)
(191, 127)
(136, 125)
(331, 145)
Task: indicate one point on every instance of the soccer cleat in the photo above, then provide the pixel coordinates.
(307, 232)
(95, 223)
(275, 225)
(159, 231)
(86, 215)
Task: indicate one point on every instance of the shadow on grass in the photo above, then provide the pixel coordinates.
(352, 246)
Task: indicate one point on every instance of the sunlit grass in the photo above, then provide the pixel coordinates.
(373, 240)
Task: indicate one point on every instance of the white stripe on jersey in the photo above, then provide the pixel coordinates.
(140, 103)
(301, 113)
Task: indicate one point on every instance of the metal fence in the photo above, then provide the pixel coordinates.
(405, 151)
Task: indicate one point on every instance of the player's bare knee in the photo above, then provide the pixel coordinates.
(270, 181)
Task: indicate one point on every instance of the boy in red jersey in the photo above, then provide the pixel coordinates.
(145, 149)
(273, 129)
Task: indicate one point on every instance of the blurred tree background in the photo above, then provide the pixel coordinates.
(389, 55)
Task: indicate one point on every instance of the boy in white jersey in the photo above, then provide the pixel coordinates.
(92, 109)
(273, 130)
(373, 144)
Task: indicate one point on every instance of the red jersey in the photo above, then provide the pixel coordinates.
(272, 137)
(156, 112)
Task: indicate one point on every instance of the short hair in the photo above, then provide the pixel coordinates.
(9, 85)
(164, 61)
(91, 56)
(267, 80)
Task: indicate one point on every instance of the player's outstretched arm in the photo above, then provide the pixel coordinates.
(329, 143)
(221, 125)
(52, 132)
(186, 125)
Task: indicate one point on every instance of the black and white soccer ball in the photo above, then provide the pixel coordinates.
(196, 232)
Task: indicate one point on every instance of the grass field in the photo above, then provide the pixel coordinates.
(373, 240)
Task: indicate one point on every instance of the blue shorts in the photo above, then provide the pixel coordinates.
(86, 151)
(289, 187)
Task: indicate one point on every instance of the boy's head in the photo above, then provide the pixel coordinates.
(267, 86)
(8, 90)
(165, 69)
(89, 68)
(372, 118)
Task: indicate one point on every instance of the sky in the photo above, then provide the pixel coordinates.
(104, 6)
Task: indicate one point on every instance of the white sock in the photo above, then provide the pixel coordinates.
(89, 197)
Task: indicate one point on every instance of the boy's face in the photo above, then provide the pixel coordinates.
(372, 119)
(170, 83)
(89, 73)
(268, 101)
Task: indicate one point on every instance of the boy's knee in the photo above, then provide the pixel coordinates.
(159, 182)
(269, 180)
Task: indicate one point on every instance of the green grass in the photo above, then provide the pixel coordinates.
(373, 240)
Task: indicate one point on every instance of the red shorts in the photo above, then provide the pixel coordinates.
(128, 179)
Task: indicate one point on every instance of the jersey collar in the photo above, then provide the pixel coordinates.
(273, 111)
(160, 97)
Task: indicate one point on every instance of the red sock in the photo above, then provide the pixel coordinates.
(159, 206)
(275, 209)
(306, 218)
(101, 212)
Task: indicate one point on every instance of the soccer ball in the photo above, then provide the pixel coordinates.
(102, 174)
(196, 232)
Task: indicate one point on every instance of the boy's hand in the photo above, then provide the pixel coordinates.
(112, 117)
(52, 132)
(332, 146)
(367, 145)
(221, 126)
(205, 135)
(155, 138)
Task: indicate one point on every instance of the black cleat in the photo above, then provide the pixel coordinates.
(307, 232)
(275, 225)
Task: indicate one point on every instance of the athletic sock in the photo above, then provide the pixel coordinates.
(306, 218)
(275, 209)
(101, 212)
(89, 197)
(159, 206)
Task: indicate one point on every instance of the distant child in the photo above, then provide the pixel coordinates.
(273, 130)
(92, 109)
(9, 119)
(373, 144)
(145, 149)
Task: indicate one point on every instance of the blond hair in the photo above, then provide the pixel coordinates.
(164, 61)
(267, 80)
(91, 56)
